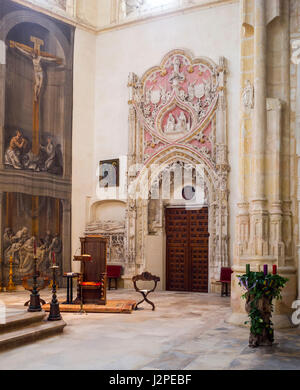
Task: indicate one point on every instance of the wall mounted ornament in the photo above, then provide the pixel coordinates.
(177, 113)
(248, 95)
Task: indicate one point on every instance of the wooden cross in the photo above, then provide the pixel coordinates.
(37, 57)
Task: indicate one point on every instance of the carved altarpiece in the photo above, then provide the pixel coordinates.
(177, 115)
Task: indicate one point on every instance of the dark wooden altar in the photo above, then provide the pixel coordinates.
(92, 280)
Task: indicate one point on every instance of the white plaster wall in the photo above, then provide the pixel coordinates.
(83, 172)
(210, 32)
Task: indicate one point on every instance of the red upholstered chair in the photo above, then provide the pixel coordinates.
(225, 279)
(91, 288)
(113, 272)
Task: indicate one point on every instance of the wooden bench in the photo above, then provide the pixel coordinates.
(145, 277)
(113, 272)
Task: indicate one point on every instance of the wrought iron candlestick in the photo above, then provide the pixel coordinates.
(11, 286)
(54, 305)
(35, 301)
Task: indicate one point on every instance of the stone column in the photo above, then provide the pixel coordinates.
(273, 159)
(259, 216)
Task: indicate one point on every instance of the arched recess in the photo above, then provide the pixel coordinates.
(107, 217)
(177, 115)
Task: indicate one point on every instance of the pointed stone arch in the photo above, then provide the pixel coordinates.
(192, 90)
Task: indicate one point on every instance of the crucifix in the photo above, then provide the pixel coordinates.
(37, 56)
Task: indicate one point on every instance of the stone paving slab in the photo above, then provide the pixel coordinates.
(186, 331)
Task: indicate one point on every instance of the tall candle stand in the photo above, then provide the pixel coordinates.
(11, 286)
(54, 305)
(35, 302)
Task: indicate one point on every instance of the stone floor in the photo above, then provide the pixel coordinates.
(187, 331)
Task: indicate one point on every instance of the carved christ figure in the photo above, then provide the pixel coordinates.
(37, 58)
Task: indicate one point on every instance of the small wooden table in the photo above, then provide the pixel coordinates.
(146, 277)
(70, 276)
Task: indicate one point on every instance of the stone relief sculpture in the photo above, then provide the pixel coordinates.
(178, 126)
(248, 95)
(115, 232)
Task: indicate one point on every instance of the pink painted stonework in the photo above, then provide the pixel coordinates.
(177, 100)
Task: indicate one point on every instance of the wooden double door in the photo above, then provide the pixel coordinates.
(187, 249)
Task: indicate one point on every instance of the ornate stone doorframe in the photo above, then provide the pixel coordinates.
(177, 114)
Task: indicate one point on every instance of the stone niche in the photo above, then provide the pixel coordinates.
(108, 219)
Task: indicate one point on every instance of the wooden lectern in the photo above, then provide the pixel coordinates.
(92, 279)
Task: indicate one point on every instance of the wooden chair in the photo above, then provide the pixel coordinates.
(92, 279)
(113, 273)
(225, 279)
(145, 277)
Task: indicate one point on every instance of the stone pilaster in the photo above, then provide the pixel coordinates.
(264, 228)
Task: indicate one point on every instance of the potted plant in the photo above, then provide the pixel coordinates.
(261, 288)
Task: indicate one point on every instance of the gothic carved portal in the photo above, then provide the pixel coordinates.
(177, 116)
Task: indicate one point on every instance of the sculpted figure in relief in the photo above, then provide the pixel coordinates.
(248, 95)
(176, 76)
(170, 127)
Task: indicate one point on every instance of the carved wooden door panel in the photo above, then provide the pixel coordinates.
(198, 227)
(187, 250)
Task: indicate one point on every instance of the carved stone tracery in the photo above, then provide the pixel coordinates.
(177, 114)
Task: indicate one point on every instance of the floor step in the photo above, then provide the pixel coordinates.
(19, 319)
(30, 334)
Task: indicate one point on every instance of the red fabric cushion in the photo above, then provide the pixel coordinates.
(225, 274)
(114, 271)
(90, 284)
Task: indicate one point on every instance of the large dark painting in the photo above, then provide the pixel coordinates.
(28, 219)
(36, 100)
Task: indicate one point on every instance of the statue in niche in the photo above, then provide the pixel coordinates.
(176, 76)
(15, 152)
(170, 126)
(181, 123)
(248, 95)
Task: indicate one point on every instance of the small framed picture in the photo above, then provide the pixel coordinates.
(109, 173)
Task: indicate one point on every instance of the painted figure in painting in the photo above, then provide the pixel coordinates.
(21, 247)
(51, 153)
(36, 57)
(14, 153)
